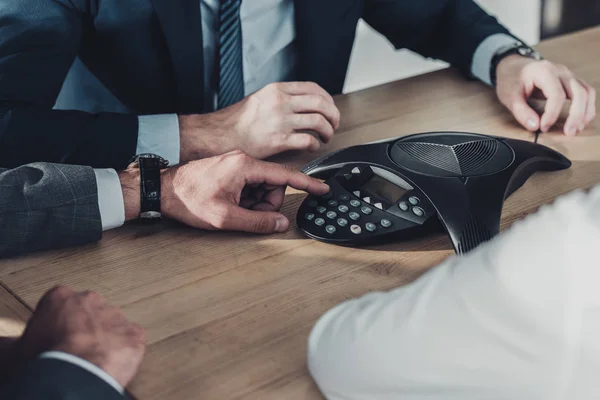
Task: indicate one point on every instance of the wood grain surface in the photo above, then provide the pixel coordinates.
(228, 314)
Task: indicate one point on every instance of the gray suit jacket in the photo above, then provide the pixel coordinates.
(45, 206)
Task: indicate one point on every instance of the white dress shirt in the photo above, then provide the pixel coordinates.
(517, 318)
(88, 366)
(268, 29)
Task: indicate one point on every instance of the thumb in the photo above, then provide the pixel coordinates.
(526, 115)
(241, 219)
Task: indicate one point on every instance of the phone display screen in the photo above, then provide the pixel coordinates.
(384, 189)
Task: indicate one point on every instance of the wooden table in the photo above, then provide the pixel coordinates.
(227, 315)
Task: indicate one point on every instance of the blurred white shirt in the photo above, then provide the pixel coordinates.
(517, 318)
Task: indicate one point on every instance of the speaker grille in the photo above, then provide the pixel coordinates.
(473, 155)
(459, 159)
(438, 155)
(473, 234)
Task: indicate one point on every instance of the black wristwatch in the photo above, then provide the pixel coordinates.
(515, 48)
(150, 166)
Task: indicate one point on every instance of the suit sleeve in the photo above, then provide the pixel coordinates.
(45, 206)
(51, 379)
(39, 40)
(448, 30)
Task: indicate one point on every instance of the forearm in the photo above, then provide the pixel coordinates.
(99, 140)
(45, 206)
(449, 30)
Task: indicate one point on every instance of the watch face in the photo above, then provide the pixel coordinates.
(149, 156)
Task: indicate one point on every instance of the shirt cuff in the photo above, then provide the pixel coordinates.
(482, 59)
(159, 134)
(88, 366)
(110, 199)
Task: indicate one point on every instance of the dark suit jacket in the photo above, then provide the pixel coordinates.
(45, 206)
(50, 379)
(148, 54)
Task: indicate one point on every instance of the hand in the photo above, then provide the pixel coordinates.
(277, 118)
(519, 78)
(232, 192)
(84, 325)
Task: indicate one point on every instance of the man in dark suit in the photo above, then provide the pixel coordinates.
(76, 346)
(95, 82)
(45, 205)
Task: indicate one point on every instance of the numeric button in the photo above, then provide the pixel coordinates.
(332, 203)
(330, 229)
(343, 222)
(386, 223)
(414, 200)
(371, 227)
(343, 208)
(321, 209)
(418, 211)
(331, 214)
(309, 216)
(366, 210)
(313, 203)
(355, 203)
(356, 229)
(344, 197)
(354, 216)
(319, 222)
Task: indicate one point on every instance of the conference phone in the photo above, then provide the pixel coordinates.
(410, 186)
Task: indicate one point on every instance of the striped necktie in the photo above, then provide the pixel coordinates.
(231, 66)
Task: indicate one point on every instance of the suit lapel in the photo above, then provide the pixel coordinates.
(325, 31)
(181, 24)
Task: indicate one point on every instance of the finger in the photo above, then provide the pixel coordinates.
(524, 114)
(92, 298)
(550, 85)
(273, 200)
(264, 206)
(317, 104)
(590, 112)
(314, 122)
(301, 141)
(280, 175)
(579, 98)
(59, 293)
(240, 219)
(300, 88)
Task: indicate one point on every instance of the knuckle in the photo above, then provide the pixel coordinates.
(92, 296)
(240, 159)
(563, 69)
(547, 65)
(59, 292)
(321, 103)
(316, 120)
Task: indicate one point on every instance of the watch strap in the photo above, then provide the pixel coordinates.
(150, 188)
